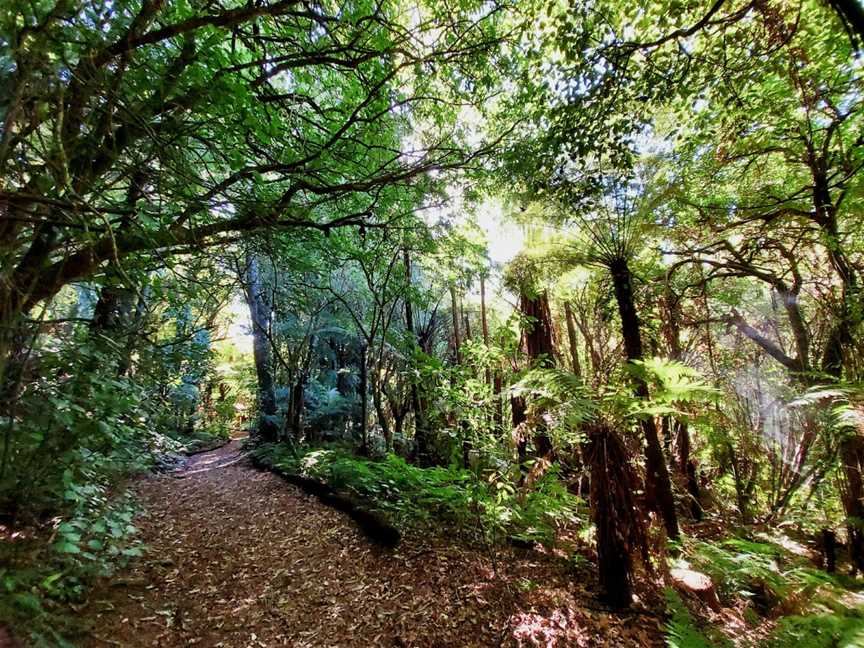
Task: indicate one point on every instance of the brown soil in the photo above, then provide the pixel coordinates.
(238, 558)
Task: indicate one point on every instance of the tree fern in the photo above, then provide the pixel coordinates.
(673, 384)
(559, 392)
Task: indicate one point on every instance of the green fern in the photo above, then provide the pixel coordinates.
(558, 391)
(842, 629)
(681, 629)
(673, 384)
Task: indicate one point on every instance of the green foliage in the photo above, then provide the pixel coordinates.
(78, 429)
(673, 384)
(842, 628)
(561, 393)
(681, 628)
(39, 580)
(737, 569)
(776, 582)
(73, 432)
(328, 410)
(765, 573)
(416, 496)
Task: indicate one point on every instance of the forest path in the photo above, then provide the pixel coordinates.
(237, 557)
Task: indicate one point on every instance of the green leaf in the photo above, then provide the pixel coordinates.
(67, 547)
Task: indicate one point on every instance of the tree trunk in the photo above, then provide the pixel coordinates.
(851, 13)
(659, 487)
(421, 434)
(259, 313)
(112, 320)
(852, 458)
(540, 349)
(595, 363)
(137, 323)
(571, 338)
(117, 316)
(377, 401)
(688, 469)
(484, 325)
(398, 423)
(296, 423)
(457, 341)
(364, 447)
(851, 454)
(539, 343)
(517, 412)
(620, 530)
(113, 309)
(666, 430)
(499, 401)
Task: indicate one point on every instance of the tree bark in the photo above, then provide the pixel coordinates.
(137, 323)
(117, 316)
(457, 341)
(572, 339)
(539, 344)
(364, 448)
(259, 313)
(540, 348)
(378, 403)
(620, 529)
(659, 486)
(687, 467)
(851, 14)
(852, 458)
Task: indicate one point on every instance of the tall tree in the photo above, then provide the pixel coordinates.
(260, 314)
(217, 121)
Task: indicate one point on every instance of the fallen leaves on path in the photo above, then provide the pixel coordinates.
(238, 558)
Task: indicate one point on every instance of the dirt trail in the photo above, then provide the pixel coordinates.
(240, 558)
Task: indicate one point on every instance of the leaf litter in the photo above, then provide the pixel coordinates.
(239, 558)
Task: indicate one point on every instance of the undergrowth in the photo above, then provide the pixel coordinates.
(65, 517)
(412, 496)
(841, 628)
(775, 584)
(682, 630)
(42, 578)
(771, 578)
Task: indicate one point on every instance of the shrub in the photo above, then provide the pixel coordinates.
(411, 495)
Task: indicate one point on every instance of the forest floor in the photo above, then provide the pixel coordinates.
(237, 557)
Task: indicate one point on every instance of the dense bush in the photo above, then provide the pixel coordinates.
(71, 430)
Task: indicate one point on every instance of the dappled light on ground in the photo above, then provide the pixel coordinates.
(238, 557)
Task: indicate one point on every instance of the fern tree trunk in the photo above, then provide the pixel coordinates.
(659, 486)
(540, 349)
(620, 529)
